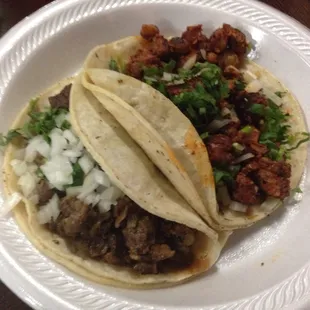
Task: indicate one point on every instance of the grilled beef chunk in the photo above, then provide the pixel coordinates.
(127, 236)
(219, 149)
(193, 34)
(61, 100)
(73, 214)
(160, 46)
(45, 192)
(236, 39)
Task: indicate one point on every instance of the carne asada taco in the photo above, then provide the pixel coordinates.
(219, 113)
(89, 197)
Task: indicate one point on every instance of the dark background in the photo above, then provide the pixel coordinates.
(13, 11)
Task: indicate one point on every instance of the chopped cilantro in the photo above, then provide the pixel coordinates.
(113, 65)
(222, 176)
(280, 94)
(247, 129)
(78, 175)
(306, 139)
(204, 135)
(152, 71)
(297, 190)
(170, 66)
(65, 125)
(239, 85)
(5, 140)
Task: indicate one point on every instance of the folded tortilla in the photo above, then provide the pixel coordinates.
(128, 168)
(147, 115)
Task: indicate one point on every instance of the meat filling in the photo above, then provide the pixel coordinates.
(140, 240)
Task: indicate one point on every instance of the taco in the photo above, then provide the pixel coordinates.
(236, 133)
(87, 196)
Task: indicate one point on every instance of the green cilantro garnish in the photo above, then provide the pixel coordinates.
(300, 142)
(247, 129)
(65, 125)
(296, 190)
(78, 175)
(11, 135)
(204, 135)
(222, 176)
(239, 85)
(153, 71)
(170, 66)
(113, 65)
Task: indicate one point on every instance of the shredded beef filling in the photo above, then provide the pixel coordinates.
(127, 235)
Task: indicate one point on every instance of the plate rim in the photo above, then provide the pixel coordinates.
(15, 34)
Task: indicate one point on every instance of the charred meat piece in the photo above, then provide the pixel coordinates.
(246, 191)
(273, 185)
(179, 45)
(45, 192)
(212, 58)
(141, 58)
(139, 233)
(73, 214)
(193, 34)
(160, 46)
(183, 236)
(219, 149)
(218, 41)
(228, 58)
(236, 39)
(149, 31)
(258, 148)
(160, 252)
(61, 100)
(146, 268)
(280, 168)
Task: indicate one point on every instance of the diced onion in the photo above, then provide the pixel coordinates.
(60, 119)
(86, 163)
(58, 171)
(238, 147)
(104, 206)
(72, 139)
(10, 204)
(50, 211)
(34, 199)
(168, 77)
(249, 76)
(190, 62)
(151, 79)
(74, 190)
(89, 185)
(20, 154)
(58, 142)
(203, 53)
(237, 206)
(254, 86)
(92, 199)
(223, 195)
(218, 124)
(272, 96)
(72, 153)
(19, 167)
(225, 112)
(243, 158)
(176, 82)
(111, 194)
(101, 178)
(27, 183)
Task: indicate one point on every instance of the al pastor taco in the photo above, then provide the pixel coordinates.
(236, 133)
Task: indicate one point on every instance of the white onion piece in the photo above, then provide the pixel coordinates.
(60, 119)
(225, 112)
(168, 77)
(32, 168)
(254, 86)
(89, 185)
(31, 149)
(74, 190)
(203, 53)
(86, 163)
(104, 206)
(58, 171)
(190, 62)
(111, 194)
(218, 124)
(69, 135)
(72, 153)
(249, 76)
(92, 199)
(20, 154)
(34, 199)
(19, 167)
(102, 178)
(237, 206)
(176, 82)
(10, 204)
(223, 196)
(27, 183)
(148, 78)
(58, 142)
(243, 158)
(272, 96)
(50, 211)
